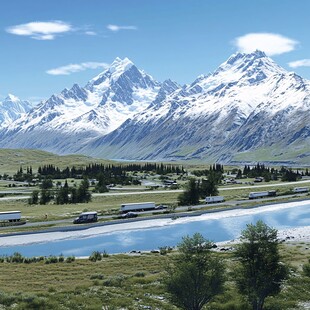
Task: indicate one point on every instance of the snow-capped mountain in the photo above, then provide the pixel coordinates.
(249, 109)
(11, 108)
(68, 120)
(249, 102)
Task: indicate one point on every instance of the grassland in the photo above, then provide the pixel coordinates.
(128, 282)
(12, 159)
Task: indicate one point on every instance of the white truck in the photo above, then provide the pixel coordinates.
(137, 206)
(214, 199)
(301, 189)
(254, 195)
(10, 216)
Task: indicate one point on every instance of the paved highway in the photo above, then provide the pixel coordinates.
(119, 190)
(183, 211)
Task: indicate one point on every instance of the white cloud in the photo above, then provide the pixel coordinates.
(299, 63)
(72, 68)
(91, 33)
(40, 30)
(270, 43)
(117, 28)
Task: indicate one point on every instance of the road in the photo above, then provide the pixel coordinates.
(181, 212)
(145, 192)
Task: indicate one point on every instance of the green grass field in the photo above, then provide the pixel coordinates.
(12, 159)
(127, 282)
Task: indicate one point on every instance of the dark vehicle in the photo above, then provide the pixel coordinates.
(86, 217)
(160, 207)
(129, 215)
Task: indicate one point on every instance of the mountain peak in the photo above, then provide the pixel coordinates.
(119, 66)
(113, 72)
(246, 56)
(251, 67)
(12, 98)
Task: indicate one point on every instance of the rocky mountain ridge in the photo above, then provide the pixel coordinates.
(248, 109)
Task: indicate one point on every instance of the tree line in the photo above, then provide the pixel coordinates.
(112, 173)
(62, 195)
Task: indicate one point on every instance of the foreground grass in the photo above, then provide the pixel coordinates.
(128, 282)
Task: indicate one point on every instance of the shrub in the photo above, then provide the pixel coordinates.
(140, 274)
(105, 254)
(51, 260)
(61, 259)
(16, 258)
(98, 276)
(96, 255)
(163, 250)
(306, 269)
(70, 259)
(116, 281)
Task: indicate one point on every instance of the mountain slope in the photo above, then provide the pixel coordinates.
(249, 109)
(70, 119)
(11, 109)
(247, 103)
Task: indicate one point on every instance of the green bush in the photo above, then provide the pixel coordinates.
(139, 274)
(61, 259)
(306, 269)
(105, 254)
(70, 259)
(96, 255)
(116, 281)
(51, 260)
(98, 276)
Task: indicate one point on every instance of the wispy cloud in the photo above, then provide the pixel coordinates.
(299, 63)
(40, 30)
(116, 28)
(270, 43)
(90, 33)
(72, 68)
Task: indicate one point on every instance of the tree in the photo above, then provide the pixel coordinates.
(45, 197)
(62, 195)
(34, 199)
(46, 183)
(191, 194)
(260, 272)
(196, 274)
(209, 186)
(83, 194)
(101, 185)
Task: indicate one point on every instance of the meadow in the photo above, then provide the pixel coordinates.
(132, 281)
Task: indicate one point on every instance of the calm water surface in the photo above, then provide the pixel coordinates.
(217, 230)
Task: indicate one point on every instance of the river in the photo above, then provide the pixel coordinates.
(152, 234)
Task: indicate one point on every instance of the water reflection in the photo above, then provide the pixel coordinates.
(217, 230)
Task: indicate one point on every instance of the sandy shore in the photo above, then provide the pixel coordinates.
(291, 234)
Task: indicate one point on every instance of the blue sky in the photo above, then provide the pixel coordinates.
(49, 45)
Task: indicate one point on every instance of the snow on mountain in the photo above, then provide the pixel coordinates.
(11, 109)
(249, 106)
(248, 102)
(101, 106)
